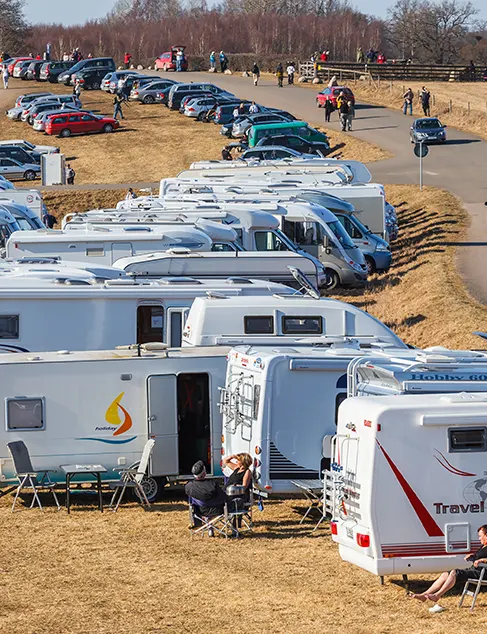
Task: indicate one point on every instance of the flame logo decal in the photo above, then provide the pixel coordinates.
(112, 416)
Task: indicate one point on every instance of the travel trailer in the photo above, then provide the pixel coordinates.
(67, 309)
(101, 407)
(273, 266)
(279, 403)
(102, 245)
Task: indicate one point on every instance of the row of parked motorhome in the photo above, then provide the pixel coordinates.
(197, 317)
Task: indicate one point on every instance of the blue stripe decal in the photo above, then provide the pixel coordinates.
(110, 442)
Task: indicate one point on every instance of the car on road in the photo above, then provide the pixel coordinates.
(273, 153)
(331, 94)
(297, 143)
(31, 147)
(50, 71)
(427, 130)
(100, 63)
(148, 92)
(9, 168)
(244, 123)
(33, 71)
(69, 123)
(167, 61)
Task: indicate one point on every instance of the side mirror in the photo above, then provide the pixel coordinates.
(444, 125)
(326, 446)
(327, 241)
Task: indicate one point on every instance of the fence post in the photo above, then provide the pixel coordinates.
(433, 99)
(378, 81)
(390, 85)
(468, 107)
(450, 107)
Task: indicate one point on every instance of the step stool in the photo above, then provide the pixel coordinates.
(476, 582)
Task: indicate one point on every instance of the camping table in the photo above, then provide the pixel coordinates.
(83, 469)
(313, 491)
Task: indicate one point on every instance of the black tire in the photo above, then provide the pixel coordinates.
(107, 128)
(333, 279)
(65, 133)
(153, 487)
(148, 99)
(30, 175)
(371, 268)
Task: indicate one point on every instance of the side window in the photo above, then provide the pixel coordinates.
(349, 227)
(221, 247)
(467, 439)
(302, 325)
(58, 120)
(74, 118)
(259, 325)
(268, 241)
(87, 117)
(150, 323)
(24, 414)
(9, 326)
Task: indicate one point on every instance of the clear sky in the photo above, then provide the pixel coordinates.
(78, 12)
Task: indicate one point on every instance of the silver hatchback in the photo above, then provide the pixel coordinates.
(149, 92)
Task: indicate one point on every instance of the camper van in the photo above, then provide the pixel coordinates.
(101, 407)
(332, 175)
(273, 266)
(406, 488)
(51, 307)
(31, 198)
(103, 245)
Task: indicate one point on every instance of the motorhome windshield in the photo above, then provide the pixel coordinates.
(342, 236)
(272, 241)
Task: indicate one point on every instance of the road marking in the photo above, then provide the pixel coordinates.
(431, 173)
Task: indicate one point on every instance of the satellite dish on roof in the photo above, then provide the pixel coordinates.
(304, 282)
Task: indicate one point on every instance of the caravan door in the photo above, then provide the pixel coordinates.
(163, 424)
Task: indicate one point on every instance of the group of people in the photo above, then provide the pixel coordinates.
(290, 70)
(345, 108)
(223, 60)
(75, 56)
(424, 98)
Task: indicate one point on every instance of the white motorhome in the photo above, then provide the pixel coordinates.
(278, 404)
(54, 269)
(103, 245)
(25, 217)
(101, 407)
(273, 266)
(31, 198)
(229, 171)
(49, 307)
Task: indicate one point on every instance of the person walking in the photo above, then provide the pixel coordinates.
(290, 73)
(179, 60)
(77, 89)
(117, 107)
(5, 76)
(213, 62)
(350, 116)
(279, 74)
(329, 108)
(223, 62)
(126, 60)
(255, 73)
(408, 101)
(344, 111)
(360, 55)
(425, 97)
(70, 174)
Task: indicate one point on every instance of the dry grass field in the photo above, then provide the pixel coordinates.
(138, 572)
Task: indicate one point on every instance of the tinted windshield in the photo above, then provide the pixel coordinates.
(337, 228)
(428, 123)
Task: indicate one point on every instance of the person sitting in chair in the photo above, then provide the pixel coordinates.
(447, 580)
(240, 464)
(206, 494)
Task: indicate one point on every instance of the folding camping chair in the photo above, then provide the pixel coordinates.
(239, 518)
(132, 478)
(27, 476)
(476, 582)
(200, 524)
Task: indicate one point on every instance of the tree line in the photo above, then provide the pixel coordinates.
(430, 31)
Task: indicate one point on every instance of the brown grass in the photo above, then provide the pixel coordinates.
(423, 297)
(139, 572)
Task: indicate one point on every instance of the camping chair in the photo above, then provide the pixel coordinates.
(199, 524)
(26, 475)
(132, 478)
(238, 518)
(476, 582)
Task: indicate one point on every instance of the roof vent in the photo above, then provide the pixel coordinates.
(238, 280)
(179, 280)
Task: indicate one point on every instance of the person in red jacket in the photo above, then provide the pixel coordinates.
(126, 59)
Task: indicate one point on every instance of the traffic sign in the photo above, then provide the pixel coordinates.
(421, 150)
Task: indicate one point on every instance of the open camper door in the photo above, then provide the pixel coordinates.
(163, 424)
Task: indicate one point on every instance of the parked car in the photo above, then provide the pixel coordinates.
(33, 70)
(331, 94)
(178, 91)
(58, 102)
(244, 123)
(31, 147)
(13, 169)
(296, 143)
(272, 153)
(19, 154)
(40, 120)
(50, 71)
(148, 92)
(22, 102)
(90, 78)
(167, 61)
(105, 63)
(197, 106)
(297, 128)
(20, 69)
(15, 64)
(224, 114)
(110, 81)
(427, 130)
(66, 124)
(186, 100)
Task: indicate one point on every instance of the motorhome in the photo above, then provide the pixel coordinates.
(273, 266)
(26, 218)
(101, 407)
(103, 245)
(329, 174)
(65, 309)
(31, 198)
(406, 488)
(54, 269)
(279, 403)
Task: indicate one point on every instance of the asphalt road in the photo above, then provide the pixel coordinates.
(457, 166)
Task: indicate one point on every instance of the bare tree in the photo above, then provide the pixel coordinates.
(13, 26)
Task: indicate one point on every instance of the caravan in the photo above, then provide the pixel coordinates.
(407, 486)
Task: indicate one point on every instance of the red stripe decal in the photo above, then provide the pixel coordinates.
(448, 468)
(455, 470)
(429, 524)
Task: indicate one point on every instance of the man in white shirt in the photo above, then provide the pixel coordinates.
(254, 108)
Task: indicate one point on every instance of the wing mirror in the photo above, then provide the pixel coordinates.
(327, 244)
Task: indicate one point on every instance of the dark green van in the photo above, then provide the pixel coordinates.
(297, 128)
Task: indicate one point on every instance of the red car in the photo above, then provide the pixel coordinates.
(331, 94)
(167, 61)
(66, 124)
(15, 61)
